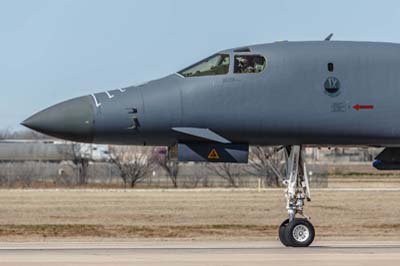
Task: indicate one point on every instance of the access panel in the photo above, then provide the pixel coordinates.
(213, 152)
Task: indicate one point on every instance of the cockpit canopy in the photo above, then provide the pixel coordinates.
(214, 65)
(219, 65)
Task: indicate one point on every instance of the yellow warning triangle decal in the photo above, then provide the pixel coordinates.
(213, 155)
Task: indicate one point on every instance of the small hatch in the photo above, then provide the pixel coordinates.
(243, 50)
(331, 67)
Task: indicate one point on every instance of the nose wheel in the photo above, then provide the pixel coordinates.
(296, 232)
(283, 237)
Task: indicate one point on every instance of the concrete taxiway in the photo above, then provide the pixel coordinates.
(199, 253)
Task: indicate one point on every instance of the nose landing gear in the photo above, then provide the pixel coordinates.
(296, 232)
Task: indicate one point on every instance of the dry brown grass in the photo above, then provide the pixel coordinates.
(193, 214)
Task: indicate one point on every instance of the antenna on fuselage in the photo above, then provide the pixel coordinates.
(329, 37)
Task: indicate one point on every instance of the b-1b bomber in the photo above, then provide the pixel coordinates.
(287, 94)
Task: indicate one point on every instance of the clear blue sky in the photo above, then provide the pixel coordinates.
(54, 50)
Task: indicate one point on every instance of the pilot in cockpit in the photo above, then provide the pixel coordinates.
(244, 65)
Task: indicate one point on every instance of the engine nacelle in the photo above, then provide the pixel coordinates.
(388, 159)
(380, 165)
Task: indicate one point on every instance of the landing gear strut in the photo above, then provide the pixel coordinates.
(296, 232)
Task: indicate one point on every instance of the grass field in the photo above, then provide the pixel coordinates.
(190, 214)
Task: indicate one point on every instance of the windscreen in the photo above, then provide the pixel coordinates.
(214, 65)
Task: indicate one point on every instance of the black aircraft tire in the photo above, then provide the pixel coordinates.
(282, 235)
(300, 232)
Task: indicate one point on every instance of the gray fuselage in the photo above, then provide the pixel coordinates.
(285, 104)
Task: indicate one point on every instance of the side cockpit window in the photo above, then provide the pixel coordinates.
(249, 64)
(214, 65)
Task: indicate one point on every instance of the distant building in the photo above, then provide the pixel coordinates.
(57, 151)
(50, 150)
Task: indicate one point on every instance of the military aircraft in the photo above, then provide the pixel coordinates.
(287, 94)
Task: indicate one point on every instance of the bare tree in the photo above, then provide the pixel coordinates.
(196, 177)
(66, 175)
(4, 134)
(266, 162)
(201, 176)
(228, 172)
(25, 173)
(80, 155)
(172, 170)
(133, 164)
(28, 134)
(169, 165)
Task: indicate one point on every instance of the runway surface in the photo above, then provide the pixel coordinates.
(199, 253)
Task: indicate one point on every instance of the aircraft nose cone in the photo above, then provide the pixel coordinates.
(71, 120)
